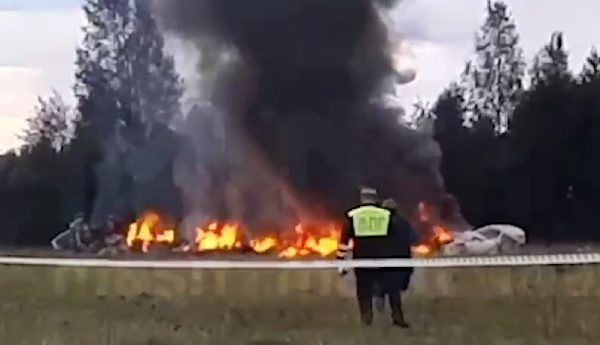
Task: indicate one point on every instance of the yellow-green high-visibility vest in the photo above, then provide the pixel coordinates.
(370, 221)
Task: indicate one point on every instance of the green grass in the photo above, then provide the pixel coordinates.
(54, 306)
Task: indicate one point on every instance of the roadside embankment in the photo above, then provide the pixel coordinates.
(513, 305)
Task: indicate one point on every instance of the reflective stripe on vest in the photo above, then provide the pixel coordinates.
(370, 221)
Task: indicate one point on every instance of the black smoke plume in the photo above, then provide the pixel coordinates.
(302, 93)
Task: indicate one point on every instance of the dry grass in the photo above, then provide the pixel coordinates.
(53, 306)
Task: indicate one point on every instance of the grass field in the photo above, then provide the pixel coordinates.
(53, 306)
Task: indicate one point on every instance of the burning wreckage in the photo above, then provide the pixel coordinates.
(150, 233)
(294, 117)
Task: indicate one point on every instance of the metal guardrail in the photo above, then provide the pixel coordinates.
(444, 262)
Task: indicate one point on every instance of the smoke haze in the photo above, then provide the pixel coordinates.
(298, 86)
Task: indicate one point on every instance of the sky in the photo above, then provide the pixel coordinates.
(38, 40)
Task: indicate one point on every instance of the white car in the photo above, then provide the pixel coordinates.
(488, 240)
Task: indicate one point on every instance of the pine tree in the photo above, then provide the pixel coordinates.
(546, 144)
(97, 75)
(123, 75)
(155, 88)
(551, 64)
(591, 68)
(50, 125)
(125, 84)
(449, 117)
(493, 82)
(422, 117)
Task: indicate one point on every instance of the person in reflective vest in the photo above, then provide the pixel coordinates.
(376, 233)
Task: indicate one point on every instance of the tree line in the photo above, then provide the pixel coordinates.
(519, 139)
(126, 88)
(521, 145)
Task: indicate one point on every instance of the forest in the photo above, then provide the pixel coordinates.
(520, 139)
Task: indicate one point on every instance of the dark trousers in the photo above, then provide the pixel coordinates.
(390, 286)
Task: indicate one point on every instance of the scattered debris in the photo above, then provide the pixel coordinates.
(82, 237)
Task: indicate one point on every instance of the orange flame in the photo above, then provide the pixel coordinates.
(215, 237)
(302, 240)
(422, 250)
(263, 245)
(440, 238)
(435, 236)
(442, 235)
(322, 241)
(146, 231)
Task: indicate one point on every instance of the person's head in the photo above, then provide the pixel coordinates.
(368, 195)
(389, 203)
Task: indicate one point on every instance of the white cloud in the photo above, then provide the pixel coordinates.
(437, 65)
(11, 128)
(442, 31)
(577, 19)
(41, 46)
(44, 40)
(20, 88)
(38, 52)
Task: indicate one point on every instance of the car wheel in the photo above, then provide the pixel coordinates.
(508, 246)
